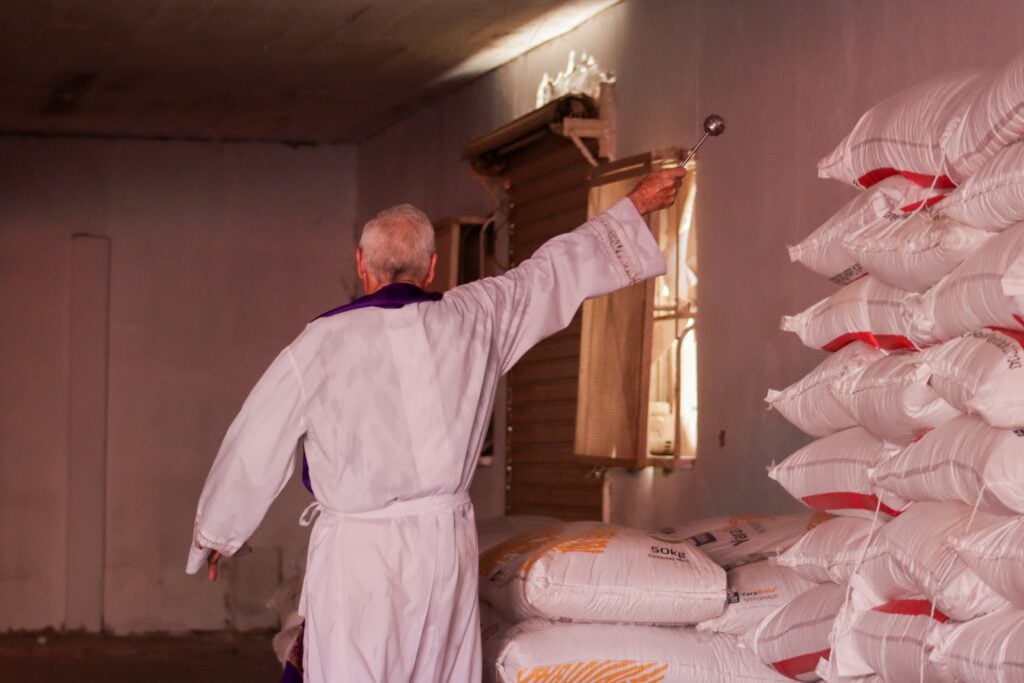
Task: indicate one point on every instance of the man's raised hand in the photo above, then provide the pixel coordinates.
(657, 190)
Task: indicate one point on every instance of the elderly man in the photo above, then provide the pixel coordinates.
(389, 397)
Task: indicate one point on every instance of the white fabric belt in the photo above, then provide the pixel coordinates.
(401, 508)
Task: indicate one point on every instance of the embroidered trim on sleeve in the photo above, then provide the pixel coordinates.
(204, 542)
(619, 247)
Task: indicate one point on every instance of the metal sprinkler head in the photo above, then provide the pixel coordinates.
(713, 125)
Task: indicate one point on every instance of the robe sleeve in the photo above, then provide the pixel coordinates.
(542, 294)
(254, 463)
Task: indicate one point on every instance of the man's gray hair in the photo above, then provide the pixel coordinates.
(397, 244)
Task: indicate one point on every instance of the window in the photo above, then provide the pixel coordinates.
(637, 394)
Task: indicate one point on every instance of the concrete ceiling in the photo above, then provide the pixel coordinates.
(281, 70)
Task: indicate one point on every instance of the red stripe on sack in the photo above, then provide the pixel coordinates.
(840, 342)
(915, 608)
(942, 182)
(847, 500)
(887, 342)
(874, 176)
(801, 664)
(894, 342)
(924, 203)
(1019, 319)
(1016, 335)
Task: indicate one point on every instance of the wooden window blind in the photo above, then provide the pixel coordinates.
(545, 180)
(547, 186)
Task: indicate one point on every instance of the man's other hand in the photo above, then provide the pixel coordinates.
(657, 190)
(211, 563)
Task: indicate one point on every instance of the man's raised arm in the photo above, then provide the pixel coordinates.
(612, 250)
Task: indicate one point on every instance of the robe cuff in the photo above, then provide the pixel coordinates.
(201, 547)
(628, 242)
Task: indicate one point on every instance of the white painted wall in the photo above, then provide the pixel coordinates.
(219, 255)
(790, 77)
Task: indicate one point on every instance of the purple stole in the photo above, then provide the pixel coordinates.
(394, 295)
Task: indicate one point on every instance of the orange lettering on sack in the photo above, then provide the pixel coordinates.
(597, 671)
(736, 520)
(591, 541)
(525, 542)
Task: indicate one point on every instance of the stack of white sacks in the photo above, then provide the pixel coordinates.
(589, 602)
(919, 410)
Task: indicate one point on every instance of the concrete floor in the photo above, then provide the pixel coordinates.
(222, 657)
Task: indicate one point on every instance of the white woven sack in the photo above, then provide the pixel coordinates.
(755, 591)
(960, 461)
(536, 651)
(912, 556)
(994, 120)
(893, 400)
(742, 539)
(993, 198)
(994, 550)
(904, 133)
(493, 629)
(794, 637)
(986, 290)
(867, 310)
(809, 405)
(888, 202)
(832, 550)
(880, 578)
(496, 530)
(988, 650)
(592, 572)
(827, 672)
(941, 131)
(982, 373)
(847, 660)
(831, 475)
(896, 639)
(915, 252)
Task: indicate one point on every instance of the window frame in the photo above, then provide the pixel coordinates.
(637, 166)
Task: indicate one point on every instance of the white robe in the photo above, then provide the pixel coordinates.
(392, 406)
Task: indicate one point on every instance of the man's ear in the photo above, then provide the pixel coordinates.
(430, 271)
(360, 268)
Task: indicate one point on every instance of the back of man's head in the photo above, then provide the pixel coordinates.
(397, 244)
